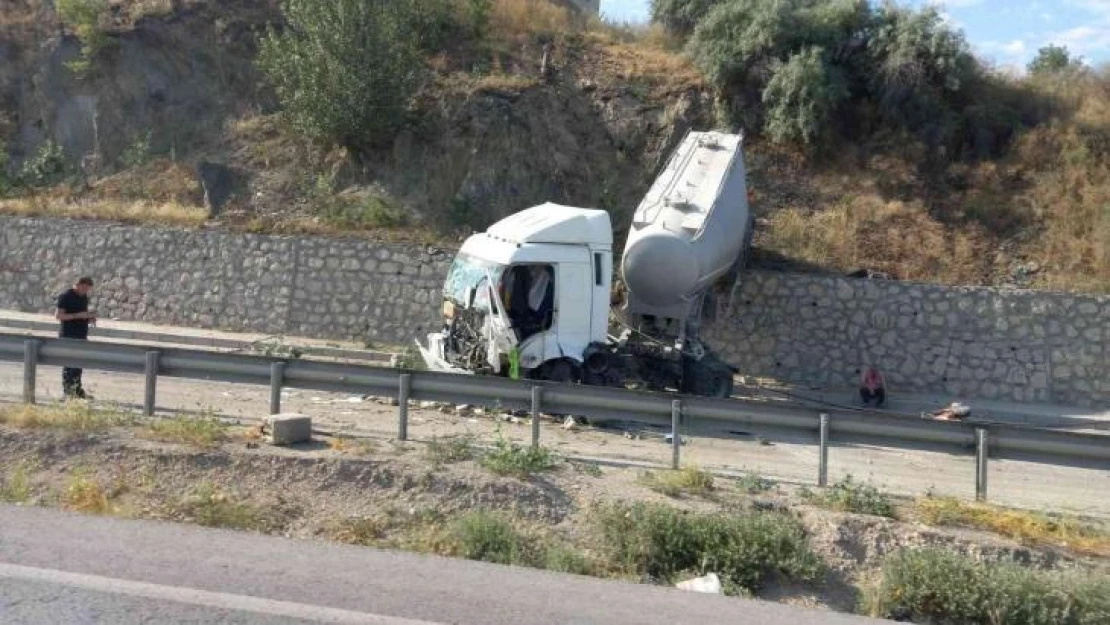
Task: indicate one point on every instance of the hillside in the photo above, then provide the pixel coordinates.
(111, 112)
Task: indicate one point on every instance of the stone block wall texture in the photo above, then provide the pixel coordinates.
(805, 329)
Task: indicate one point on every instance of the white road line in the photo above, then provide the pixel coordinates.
(223, 601)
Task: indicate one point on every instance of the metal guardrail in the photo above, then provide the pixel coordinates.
(825, 429)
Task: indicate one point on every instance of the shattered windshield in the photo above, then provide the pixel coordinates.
(469, 273)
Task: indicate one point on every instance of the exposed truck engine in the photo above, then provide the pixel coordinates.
(531, 296)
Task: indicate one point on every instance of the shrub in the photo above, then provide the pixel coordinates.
(801, 96)
(211, 507)
(16, 486)
(204, 431)
(451, 450)
(661, 543)
(674, 483)
(85, 494)
(848, 495)
(508, 458)
(47, 167)
(1054, 60)
(484, 536)
(86, 18)
(933, 585)
(346, 70)
(680, 17)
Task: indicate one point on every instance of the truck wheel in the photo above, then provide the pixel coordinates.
(559, 371)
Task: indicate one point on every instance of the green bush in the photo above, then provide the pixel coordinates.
(346, 70)
(85, 17)
(662, 543)
(484, 536)
(801, 96)
(508, 458)
(848, 495)
(7, 183)
(1054, 60)
(47, 167)
(680, 16)
(938, 586)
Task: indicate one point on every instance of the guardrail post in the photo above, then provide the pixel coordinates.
(537, 396)
(676, 436)
(981, 460)
(151, 372)
(823, 452)
(277, 380)
(403, 407)
(30, 370)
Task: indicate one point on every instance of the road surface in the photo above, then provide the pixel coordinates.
(61, 568)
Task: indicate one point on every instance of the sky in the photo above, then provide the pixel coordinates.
(1005, 32)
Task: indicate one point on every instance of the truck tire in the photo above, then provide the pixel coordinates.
(707, 377)
(562, 370)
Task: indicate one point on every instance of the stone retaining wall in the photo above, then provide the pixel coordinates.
(813, 330)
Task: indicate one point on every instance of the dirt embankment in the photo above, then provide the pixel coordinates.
(417, 497)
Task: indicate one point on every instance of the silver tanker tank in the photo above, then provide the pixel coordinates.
(690, 229)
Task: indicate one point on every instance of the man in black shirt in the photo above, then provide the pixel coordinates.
(73, 312)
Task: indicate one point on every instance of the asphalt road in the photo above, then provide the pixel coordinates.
(57, 567)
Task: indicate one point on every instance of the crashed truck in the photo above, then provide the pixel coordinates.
(533, 296)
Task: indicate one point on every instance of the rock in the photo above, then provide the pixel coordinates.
(709, 584)
(219, 183)
(288, 429)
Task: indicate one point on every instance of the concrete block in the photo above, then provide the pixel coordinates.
(288, 429)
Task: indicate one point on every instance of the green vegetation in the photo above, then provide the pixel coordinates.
(212, 507)
(86, 18)
(661, 543)
(938, 586)
(71, 417)
(508, 458)
(485, 536)
(686, 481)
(205, 431)
(848, 495)
(46, 167)
(16, 486)
(754, 484)
(1054, 60)
(347, 70)
(451, 450)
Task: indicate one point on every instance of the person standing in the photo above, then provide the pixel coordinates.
(73, 312)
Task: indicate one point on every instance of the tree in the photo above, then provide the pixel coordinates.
(1053, 59)
(346, 70)
(680, 16)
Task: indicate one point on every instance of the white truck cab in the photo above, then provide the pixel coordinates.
(537, 282)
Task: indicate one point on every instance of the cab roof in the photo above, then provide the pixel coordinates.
(555, 223)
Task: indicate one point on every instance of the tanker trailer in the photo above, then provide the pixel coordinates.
(530, 297)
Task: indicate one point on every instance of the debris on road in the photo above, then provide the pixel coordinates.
(952, 412)
(709, 584)
(569, 423)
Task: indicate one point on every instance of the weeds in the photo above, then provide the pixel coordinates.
(686, 481)
(85, 494)
(16, 486)
(86, 18)
(508, 458)
(71, 417)
(485, 536)
(205, 431)
(450, 450)
(848, 495)
(1024, 526)
(352, 446)
(754, 484)
(364, 531)
(212, 507)
(661, 543)
(938, 586)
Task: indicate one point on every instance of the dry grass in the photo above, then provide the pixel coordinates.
(515, 20)
(685, 481)
(203, 431)
(85, 494)
(135, 212)
(16, 486)
(71, 416)
(1027, 527)
(352, 446)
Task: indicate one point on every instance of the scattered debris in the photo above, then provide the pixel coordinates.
(953, 412)
(569, 423)
(709, 584)
(355, 400)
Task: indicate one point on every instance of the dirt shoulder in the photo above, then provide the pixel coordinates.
(504, 504)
